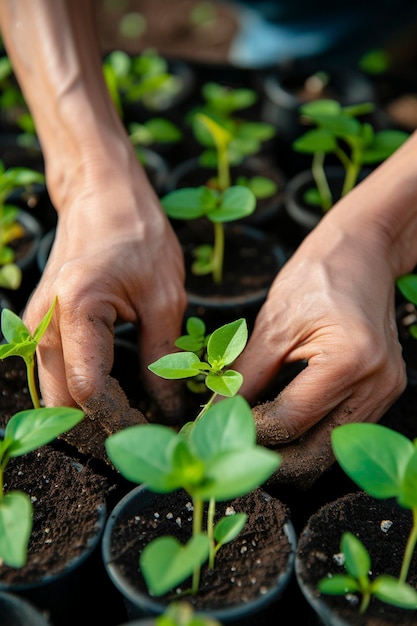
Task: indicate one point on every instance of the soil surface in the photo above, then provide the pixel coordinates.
(244, 568)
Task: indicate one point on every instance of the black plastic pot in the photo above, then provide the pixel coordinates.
(138, 601)
(53, 589)
(304, 215)
(15, 611)
(252, 260)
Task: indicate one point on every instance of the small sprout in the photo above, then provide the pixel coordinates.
(338, 131)
(11, 180)
(22, 343)
(357, 580)
(222, 347)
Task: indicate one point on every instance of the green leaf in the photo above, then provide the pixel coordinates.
(34, 428)
(390, 590)
(236, 203)
(220, 135)
(229, 527)
(373, 456)
(262, 187)
(227, 342)
(407, 284)
(10, 276)
(143, 454)
(227, 425)
(15, 528)
(189, 203)
(187, 468)
(338, 585)
(385, 143)
(165, 562)
(408, 495)
(44, 323)
(235, 473)
(316, 140)
(13, 328)
(163, 130)
(176, 365)
(357, 559)
(226, 384)
(322, 106)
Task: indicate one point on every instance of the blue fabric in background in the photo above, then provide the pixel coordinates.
(273, 31)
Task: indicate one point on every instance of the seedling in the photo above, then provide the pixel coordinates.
(156, 130)
(222, 105)
(214, 458)
(26, 431)
(22, 343)
(153, 131)
(206, 358)
(218, 459)
(407, 285)
(141, 78)
(383, 463)
(339, 132)
(226, 203)
(357, 580)
(11, 180)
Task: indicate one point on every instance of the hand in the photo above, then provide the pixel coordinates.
(331, 305)
(115, 257)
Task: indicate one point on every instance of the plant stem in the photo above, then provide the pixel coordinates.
(409, 549)
(218, 252)
(223, 171)
(210, 528)
(197, 529)
(366, 597)
(352, 171)
(320, 179)
(206, 406)
(30, 369)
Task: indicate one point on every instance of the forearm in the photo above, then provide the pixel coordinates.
(55, 54)
(381, 212)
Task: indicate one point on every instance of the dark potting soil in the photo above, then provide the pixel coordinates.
(249, 263)
(243, 569)
(65, 496)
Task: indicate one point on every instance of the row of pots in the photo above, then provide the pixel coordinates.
(120, 504)
(104, 575)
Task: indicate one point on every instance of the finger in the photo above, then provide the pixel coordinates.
(160, 326)
(326, 383)
(88, 353)
(259, 365)
(306, 459)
